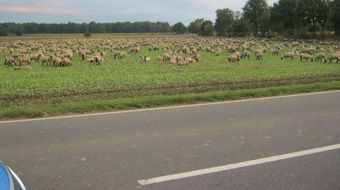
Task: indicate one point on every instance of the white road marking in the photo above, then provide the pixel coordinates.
(168, 107)
(236, 165)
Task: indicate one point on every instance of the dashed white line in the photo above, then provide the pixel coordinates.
(236, 165)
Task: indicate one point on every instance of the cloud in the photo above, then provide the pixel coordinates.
(173, 11)
(41, 7)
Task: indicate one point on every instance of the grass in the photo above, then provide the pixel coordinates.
(128, 83)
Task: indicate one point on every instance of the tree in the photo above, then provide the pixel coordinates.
(224, 20)
(253, 10)
(207, 28)
(334, 15)
(283, 16)
(195, 26)
(240, 28)
(87, 34)
(312, 13)
(179, 28)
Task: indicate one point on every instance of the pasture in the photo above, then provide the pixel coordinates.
(58, 89)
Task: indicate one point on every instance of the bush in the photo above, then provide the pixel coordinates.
(87, 34)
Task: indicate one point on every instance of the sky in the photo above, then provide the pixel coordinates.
(110, 11)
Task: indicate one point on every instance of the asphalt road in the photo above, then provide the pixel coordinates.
(121, 150)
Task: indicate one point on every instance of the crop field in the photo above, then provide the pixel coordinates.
(199, 65)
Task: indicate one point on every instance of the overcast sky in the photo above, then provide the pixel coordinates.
(101, 11)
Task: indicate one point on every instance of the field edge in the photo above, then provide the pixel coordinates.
(103, 105)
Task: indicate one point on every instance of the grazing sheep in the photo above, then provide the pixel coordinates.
(275, 51)
(320, 56)
(332, 56)
(67, 61)
(57, 61)
(233, 57)
(190, 60)
(145, 58)
(218, 51)
(134, 50)
(259, 55)
(24, 60)
(306, 56)
(97, 60)
(34, 57)
(245, 53)
(173, 60)
(288, 55)
(166, 57)
(91, 59)
(45, 59)
(196, 57)
(23, 67)
(10, 61)
(119, 54)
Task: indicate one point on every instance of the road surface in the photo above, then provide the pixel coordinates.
(288, 142)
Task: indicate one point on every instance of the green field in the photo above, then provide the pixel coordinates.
(130, 83)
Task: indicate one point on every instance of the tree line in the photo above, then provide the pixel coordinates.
(92, 27)
(289, 18)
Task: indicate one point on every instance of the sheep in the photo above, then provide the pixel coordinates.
(68, 54)
(173, 60)
(332, 56)
(196, 57)
(25, 59)
(259, 55)
(245, 53)
(305, 56)
(10, 61)
(182, 62)
(320, 56)
(145, 58)
(35, 57)
(57, 61)
(97, 60)
(218, 51)
(119, 54)
(166, 57)
(23, 67)
(45, 59)
(233, 57)
(288, 55)
(134, 50)
(91, 59)
(67, 61)
(190, 60)
(275, 51)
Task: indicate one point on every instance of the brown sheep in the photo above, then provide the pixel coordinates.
(259, 55)
(332, 56)
(134, 50)
(24, 60)
(23, 67)
(288, 55)
(45, 59)
(97, 60)
(10, 61)
(57, 61)
(233, 57)
(306, 56)
(320, 56)
(145, 58)
(67, 61)
(245, 53)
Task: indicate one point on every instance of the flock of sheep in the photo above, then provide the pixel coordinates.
(178, 51)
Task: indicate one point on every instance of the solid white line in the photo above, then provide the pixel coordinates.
(237, 165)
(168, 107)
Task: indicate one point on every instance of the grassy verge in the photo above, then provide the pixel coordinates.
(97, 105)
